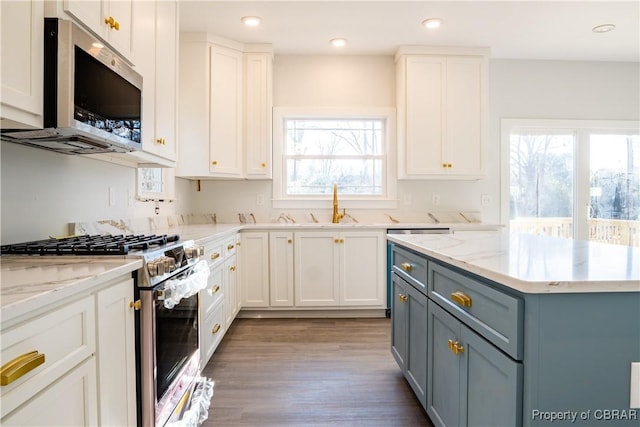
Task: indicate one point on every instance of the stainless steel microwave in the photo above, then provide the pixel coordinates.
(92, 97)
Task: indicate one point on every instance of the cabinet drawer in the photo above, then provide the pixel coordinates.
(214, 251)
(493, 314)
(65, 337)
(212, 332)
(214, 292)
(411, 267)
(230, 245)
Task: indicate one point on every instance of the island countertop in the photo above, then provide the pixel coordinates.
(533, 264)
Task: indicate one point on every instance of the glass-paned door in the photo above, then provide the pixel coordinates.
(614, 189)
(541, 183)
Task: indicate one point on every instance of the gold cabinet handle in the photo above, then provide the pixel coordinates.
(229, 247)
(232, 268)
(215, 162)
(455, 347)
(263, 164)
(20, 366)
(215, 255)
(116, 26)
(406, 266)
(402, 298)
(461, 298)
(336, 240)
(215, 289)
(161, 141)
(136, 305)
(216, 328)
(110, 21)
(238, 244)
(289, 241)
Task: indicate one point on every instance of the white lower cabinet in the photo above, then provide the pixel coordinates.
(116, 355)
(281, 269)
(254, 269)
(78, 362)
(343, 268)
(231, 293)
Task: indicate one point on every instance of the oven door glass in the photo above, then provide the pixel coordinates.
(176, 340)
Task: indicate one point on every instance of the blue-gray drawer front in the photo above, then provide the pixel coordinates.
(493, 314)
(411, 267)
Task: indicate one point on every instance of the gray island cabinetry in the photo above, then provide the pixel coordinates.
(498, 330)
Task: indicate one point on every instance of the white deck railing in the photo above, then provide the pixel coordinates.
(615, 231)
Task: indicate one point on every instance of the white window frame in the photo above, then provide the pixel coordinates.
(387, 200)
(581, 130)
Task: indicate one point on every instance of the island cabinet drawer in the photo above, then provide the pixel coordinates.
(214, 292)
(411, 267)
(497, 316)
(43, 349)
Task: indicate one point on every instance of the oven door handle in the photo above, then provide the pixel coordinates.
(187, 284)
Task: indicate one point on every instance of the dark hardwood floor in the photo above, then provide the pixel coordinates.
(310, 372)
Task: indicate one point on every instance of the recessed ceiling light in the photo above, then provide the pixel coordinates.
(604, 28)
(432, 23)
(338, 42)
(251, 21)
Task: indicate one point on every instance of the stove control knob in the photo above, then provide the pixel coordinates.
(169, 264)
(194, 252)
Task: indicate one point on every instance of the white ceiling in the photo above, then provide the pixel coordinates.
(512, 29)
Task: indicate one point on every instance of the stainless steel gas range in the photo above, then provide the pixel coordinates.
(169, 386)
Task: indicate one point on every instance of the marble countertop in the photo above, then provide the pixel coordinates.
(31, 282)
(534, 264)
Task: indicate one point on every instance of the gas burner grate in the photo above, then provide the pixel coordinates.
(89, 245)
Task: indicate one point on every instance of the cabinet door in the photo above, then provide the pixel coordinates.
(258, 108)
(443, 368)
(491, 384)
(90, 14)
(316, 268)
(166, 79)
(116, 355)
(122, 12)
(362, 274)
(230, 293)
(22, 63)
(464, 116)
(254, 268)
(416, 359)
(70, 401)
(281, 268)
(399, 304)
(225, 110)
(424, 115)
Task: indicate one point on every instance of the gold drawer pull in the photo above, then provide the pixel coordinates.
(406, 267)
(451, 345)
(232, 268)
(136, 305)
(216, 328)
(402, 298)
(461, 298)
(215, 255)
(20, 366)
(263, 164)
(457, 348)
(214, 163)
(215, 289)
(289, 241)
(230, 246)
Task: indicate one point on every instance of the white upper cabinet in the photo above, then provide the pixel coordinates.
(224, 108)
(441, 104)
(155, 47)
(110, 20)
(22, 62)
(258, 70)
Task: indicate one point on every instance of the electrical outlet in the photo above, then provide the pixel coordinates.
(485, 200)
(407, 198)
(260, 199)
(112, 196)
(435, 200)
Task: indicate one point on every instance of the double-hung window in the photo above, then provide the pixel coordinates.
(315, 150)
(573, 178)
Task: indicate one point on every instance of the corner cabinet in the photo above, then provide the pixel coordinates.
(442, 112)
(22, 64)
(224, 109)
